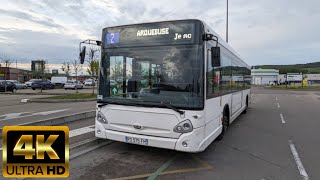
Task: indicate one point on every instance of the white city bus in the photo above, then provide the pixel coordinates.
(178, 85)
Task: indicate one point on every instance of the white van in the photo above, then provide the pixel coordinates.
(59, 80)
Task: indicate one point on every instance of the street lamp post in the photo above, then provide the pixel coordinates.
(227, 21)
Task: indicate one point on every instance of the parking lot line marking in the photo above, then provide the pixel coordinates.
(84, 130)
(298, 161)
(205, 165)
(278, 105)
(162, 168)
(132, 177)
(10, 116)
(282, 118)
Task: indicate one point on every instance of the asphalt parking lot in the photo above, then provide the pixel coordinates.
(277, 139)
(14, 112)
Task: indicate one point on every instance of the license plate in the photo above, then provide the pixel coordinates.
(133, 140)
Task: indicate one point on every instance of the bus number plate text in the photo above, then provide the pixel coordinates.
(133, 140)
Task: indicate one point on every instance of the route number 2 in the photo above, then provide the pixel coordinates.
(113, 38)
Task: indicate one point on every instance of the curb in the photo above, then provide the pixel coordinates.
(59, 120)
(43, 93)
(59, 100)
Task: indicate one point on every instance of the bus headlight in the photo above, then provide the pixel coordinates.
(184, 127)
(101, 118)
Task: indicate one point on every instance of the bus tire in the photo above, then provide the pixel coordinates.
(247, 105)
(225, 124)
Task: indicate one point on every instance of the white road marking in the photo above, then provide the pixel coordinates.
(84, 130)
(276, 98)
(24, 100)
(78, 132)
(17, 115)
(298, 161)
(49, 112)
(12, 115)
(282, 118)
(278, 105)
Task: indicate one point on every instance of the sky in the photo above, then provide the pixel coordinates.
(261, 31)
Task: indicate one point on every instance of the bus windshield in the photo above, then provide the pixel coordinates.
(150, 76)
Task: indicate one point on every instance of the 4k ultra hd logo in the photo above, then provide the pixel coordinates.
(35, 151)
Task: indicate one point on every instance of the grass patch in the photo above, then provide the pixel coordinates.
(314, 88)
(315, 70)
(74, 96)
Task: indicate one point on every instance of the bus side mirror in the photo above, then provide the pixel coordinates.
(215, 57)
(82, 54)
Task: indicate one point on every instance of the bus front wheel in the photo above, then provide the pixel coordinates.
(225, 124)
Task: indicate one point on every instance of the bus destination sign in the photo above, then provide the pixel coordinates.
(163, 33)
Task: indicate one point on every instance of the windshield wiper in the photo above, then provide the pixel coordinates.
(163, 103)
(102, 104)
(173, 108)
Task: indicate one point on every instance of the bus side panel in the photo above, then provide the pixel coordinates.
(212, 115)
(236, 101)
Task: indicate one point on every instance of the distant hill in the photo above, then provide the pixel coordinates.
(309, 68)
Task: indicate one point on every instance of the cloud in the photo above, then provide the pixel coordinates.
(262, 31)
(29, 17)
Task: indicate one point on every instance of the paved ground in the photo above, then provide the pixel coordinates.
(13, 112)
(279, 133)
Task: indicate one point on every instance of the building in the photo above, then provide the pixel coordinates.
(38, 65)
(264, 76)
(315, 78)
(38, 68)
(7, 73)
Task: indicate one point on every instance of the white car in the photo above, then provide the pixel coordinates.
(73, 85)
(89, 82)
(114, 83)
(18, 84)
(29, 83)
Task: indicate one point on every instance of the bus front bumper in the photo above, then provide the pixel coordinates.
(188, 142)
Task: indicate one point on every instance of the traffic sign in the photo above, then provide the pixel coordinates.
(114, 91)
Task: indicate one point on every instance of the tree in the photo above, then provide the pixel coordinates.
(7, 61)
(93, 66)
(66, 68)
(116, 72)
(76, 67)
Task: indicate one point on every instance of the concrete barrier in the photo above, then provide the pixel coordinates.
(59, 120)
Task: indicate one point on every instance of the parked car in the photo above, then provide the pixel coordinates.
(89, 82)
(29, 83)
(10, 86)
(59, 81)
(114, 83)
(73, 85)
(18, 84)
(42, 84)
